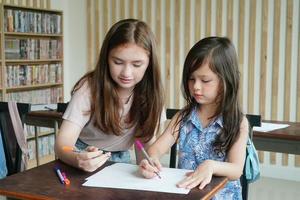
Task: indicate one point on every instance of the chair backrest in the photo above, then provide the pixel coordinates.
(12, 150)
(173, 154)
(61, 107)
(254, 120)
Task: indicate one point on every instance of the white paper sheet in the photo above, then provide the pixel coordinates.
(126, 176)
(266, 127)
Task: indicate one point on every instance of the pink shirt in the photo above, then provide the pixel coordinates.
(78, 113)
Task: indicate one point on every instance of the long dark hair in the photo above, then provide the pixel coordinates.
(220, 53)
(148, 100)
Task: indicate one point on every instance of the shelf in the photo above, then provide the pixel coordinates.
(33, 61)
(41, 134)
(31, 87)
(8, 6)
(35, 33)
(24, 34)
(42, 160)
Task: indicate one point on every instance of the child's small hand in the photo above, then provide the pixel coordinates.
(91, 159)
(147, 170)
(202, 175)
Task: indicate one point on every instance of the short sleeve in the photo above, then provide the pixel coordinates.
(78, 110)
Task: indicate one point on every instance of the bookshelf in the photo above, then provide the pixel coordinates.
(31, 60)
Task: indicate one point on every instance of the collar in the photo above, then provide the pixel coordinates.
(194, 119)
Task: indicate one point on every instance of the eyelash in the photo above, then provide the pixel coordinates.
(120, 63)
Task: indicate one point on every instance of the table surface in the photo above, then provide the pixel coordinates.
(292, 132)
(42, 183)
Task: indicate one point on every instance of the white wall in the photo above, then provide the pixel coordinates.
(75, 41)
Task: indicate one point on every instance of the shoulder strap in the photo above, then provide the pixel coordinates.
(19, 132)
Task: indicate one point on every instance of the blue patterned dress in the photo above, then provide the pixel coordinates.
(196, 146)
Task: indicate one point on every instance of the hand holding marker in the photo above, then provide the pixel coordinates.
(140, 147)
(74, 149)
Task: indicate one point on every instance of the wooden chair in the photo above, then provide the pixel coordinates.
(254, 120)
(12, 150)
(61, 107)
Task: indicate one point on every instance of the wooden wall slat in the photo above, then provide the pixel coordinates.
(122, 9)
(229, 18)
(140, 10)
(219, 18)
(177, 74)
(298, 81)
(158, 30)
(168, 47)
(276, 59)
(89, 34)
(208, 19)
(187, 28)
(113, 11)
(288, 50)
(263, 61)
(97, 24)
(251, 57)
(240, 44)
(197, 20)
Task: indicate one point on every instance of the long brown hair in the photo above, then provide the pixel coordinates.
(220, 53)
(148, 99)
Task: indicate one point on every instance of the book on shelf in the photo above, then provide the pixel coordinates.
(30, 75)
(19, 20)
(33, 49)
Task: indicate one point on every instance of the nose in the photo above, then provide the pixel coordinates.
(126, 71)
(197, 85)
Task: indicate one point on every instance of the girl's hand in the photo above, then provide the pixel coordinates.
(147, 170)
(202, 175)
(91, 159)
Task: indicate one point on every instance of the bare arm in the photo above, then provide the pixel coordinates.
(159, 148)
(89, 160)
(232, 168)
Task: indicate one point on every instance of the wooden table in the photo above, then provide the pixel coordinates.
(42, 183)
(286, 140)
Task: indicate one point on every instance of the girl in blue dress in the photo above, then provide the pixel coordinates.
(211, 130)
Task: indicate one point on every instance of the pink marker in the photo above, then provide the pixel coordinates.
(141, 147)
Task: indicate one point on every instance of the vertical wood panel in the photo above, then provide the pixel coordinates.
(276, 59)
(113, 11)
(97, 24)
(176, 64)
(240, 45)
(229, 18)
(263, 64)
(122, 9)
(251, 56)
(288, 46)
(89, 34)
(219, 18)
(168, 57)
(197, 20)
(158, 30)
(187, 28)
(208, 19)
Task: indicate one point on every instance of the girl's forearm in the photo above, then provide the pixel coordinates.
(231, 170)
